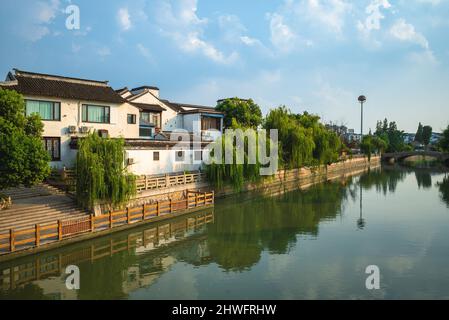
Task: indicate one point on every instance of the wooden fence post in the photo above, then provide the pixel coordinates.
(110, 219)
(92, 223)
(213, 197)
(158, 208)
(171, 206)
(38, 235)
(12, 240)
(167, 181)
(127, 215)
(144, 215)
(196, 199)
(146, 182)
(59, 230)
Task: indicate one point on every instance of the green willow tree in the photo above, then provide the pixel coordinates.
(101, 173)
(372, 144)
(23, 159)
(219, 173)
(304, 140)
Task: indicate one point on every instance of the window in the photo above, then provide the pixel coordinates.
(49, 111)
(145, 118)
(155, 120)
(208, 123)
(145, 132)
(150, 119)
(96, 114)
(53, 147)
(179, 156)
(198, 155)
(155, 156)
(132, 119)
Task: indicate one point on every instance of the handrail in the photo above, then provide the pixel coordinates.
(21, 239)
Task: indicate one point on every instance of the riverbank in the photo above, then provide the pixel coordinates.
(289, 180)
(63, 233)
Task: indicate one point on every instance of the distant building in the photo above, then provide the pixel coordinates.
(409, 137)
(435, 138)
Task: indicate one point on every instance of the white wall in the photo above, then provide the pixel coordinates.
(192, 122)
(145, 165)
(170, 118)
(71, 116)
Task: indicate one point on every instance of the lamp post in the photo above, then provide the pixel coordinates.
(362, 100)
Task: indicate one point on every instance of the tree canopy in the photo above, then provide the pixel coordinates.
(303, 139)
(426, 135)
(444, 142)
(101, 175)
(419, 134)
(23, 159)
(389, 133)
(244, 113)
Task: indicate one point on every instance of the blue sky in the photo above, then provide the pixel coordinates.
(314, 55)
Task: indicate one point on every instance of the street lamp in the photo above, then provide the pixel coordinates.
(362, 100)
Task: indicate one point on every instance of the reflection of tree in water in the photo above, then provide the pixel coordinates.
(424, 179)
(385, 180)
(243, 229)
(444, 190)
(105, 276)
(29, 291)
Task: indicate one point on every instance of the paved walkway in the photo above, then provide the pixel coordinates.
(37, 205)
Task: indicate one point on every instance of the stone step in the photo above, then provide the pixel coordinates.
(41, 220)
(23, 211)
(19, 218)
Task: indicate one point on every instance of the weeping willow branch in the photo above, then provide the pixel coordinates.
(101, 174)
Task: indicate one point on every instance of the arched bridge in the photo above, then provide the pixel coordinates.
(399, 156)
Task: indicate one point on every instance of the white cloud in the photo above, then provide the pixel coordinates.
(329, 13)
(406, 32)
(432, 2)
(124, 19)
(180, 22)
(282, 37)
(144, 51)
(103, 51)
(41, 15)
(372, 21)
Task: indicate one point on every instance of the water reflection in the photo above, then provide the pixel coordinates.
(234, 238)
(111, 267)
(444, 190)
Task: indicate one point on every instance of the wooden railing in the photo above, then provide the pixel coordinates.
(165, 181)
(68, 178)
(16, 240)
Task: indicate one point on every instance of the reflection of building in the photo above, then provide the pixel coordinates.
(136, 277)
(139, 258)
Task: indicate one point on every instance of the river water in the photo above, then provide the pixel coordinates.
(313, 244)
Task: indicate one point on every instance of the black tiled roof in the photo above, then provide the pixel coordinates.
(65, 88)
(148, 107)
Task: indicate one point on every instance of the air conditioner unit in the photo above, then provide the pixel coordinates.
(84, 130)
(130, 161)
(72, 129)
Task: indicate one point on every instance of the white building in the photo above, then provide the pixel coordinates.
(71, 108)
